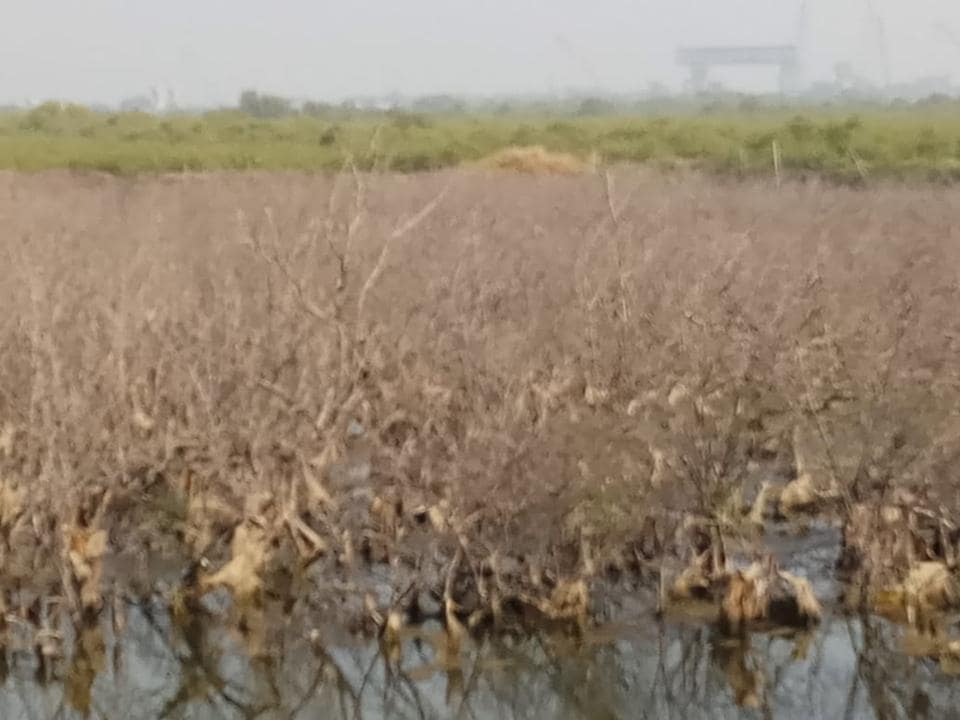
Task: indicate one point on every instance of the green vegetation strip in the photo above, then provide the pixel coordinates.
(909, 143)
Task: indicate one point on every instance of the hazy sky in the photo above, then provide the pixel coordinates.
(208, 50)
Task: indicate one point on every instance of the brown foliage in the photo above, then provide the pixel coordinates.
(504, 367)
(764, 594)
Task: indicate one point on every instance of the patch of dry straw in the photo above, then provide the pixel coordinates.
(535, 160)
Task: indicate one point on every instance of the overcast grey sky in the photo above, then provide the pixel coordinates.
(208, 50)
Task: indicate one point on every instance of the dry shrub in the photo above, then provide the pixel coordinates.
(765, 594)
(927, 592)
(243, 573)
(535, 160)
(509, 369)
(799, 495)
(86, 549)
(902, 558)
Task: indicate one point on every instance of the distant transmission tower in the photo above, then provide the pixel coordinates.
(876, 41)
(801, 40)
(586, 68)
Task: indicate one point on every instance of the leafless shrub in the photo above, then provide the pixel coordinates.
(543, 377)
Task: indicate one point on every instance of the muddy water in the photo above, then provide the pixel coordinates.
(147, 666)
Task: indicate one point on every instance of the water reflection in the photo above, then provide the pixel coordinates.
(156, 665)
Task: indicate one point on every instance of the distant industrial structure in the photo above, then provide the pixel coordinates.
(870, 71)
(158, 101)
(699, 60)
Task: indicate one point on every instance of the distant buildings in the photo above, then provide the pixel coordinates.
(157, 102)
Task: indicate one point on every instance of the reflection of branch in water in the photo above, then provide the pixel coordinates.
(881, 666)
(397, 688)
(775, 673)
(850, 708)
(344, 688)
(661, 679)
(363, 686)
(660, 673)
(472, 681)
(315, 684)
(415, 698)
(392, 684)
(505, 700)
(683, 672)
(269, 668)
(733, 658)
(89, 659)
(198, 676)
(23, 692)
(816, 664)
(894, 682)
(568, 690)
(693, 653)
(571, 679)
(878, 693)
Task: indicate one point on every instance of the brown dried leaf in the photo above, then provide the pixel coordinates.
(7, 438)
(11, 503)
(242, 575)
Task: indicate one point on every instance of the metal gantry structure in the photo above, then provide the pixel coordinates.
(700, 60)
(787, 58)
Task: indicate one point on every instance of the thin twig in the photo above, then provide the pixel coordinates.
(397, 234)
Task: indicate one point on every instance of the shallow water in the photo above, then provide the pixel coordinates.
(848, 668)
(139, 663)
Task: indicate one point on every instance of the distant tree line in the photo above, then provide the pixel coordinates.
(262, 105)
(654, 102)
